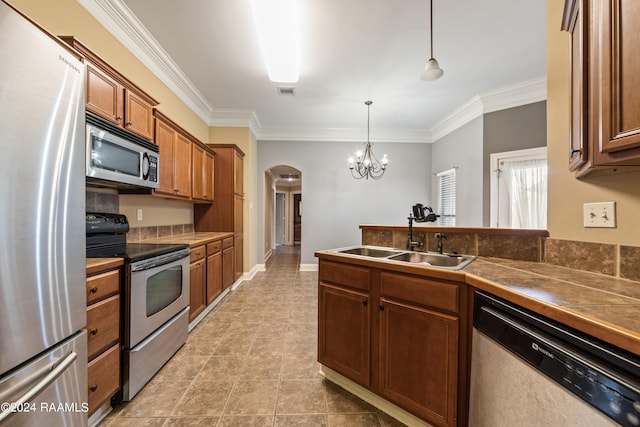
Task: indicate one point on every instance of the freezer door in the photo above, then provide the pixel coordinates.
(42, 191)
(50, 390)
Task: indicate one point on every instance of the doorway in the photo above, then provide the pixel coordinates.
(283, 207)
(280, 218)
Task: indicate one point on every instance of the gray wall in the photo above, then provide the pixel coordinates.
(462, 148)
(516, 128)
(335, 203)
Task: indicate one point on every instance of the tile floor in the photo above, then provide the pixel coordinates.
(252, 362)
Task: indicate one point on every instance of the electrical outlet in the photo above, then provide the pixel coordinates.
(601, 214)
(139, 214)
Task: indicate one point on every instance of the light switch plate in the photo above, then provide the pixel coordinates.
(602, 214)
(139, 214)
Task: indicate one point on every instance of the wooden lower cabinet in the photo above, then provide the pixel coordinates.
(228, 263)
(197, 283)
(399, 335)
(214, 271)
(419, 360)
(103, 335)
(345, 349)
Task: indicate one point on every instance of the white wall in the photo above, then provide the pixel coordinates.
(335, 203)
(462, 148)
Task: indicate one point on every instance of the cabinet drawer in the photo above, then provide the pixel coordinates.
(214, 247)
(103, 377)
(347, 275)
(198, 253)
(103, 325)
(103, 285)
(227, 243)
(440, 295)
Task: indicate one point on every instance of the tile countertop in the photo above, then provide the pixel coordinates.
(605, 307)
(193, 239)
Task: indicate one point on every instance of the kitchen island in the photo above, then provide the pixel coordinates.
(436, 304)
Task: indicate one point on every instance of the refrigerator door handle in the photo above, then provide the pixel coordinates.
(41, 385)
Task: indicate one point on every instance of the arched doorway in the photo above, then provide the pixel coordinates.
(283, 207)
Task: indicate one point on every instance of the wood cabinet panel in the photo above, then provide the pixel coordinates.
(104, 95)
(103, 377)
(182, 166)
(197, 282)
(214, 247)
(138, 115)
(208, 176)
(345, 348)
(202, 164)
(214, 276)
(346, 275)
(164, 137)
(430, 293)
(419, 361)
(175, 161)
(103, 285)
(103, 325)
(228, 267)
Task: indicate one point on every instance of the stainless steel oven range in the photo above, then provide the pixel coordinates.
(155, 297)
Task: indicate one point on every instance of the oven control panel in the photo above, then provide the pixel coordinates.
(106, 223)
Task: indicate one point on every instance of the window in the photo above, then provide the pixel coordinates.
(447, 198)
(519, 189)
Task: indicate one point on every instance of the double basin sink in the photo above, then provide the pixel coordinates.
(431, 259)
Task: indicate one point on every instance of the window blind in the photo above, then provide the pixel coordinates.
(447, 198)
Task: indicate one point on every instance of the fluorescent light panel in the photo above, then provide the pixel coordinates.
(277, 25)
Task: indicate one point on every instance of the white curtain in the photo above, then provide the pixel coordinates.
(526, 182)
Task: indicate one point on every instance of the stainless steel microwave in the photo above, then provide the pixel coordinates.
(119, 158)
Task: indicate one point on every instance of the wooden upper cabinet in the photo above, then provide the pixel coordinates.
(114, 97)
(175, 159)
(620, 79)
(605, 85)
(138, 114)
(238, 162)
(202, 162)
(104, 95)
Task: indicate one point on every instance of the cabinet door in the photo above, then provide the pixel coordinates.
(419, 361)
(343, 332)
(138, 115)
(209, 170)
(238, 255)
(577, 17)
(214, 276)
(182, 166)
(228, 269)
(197, 172)
(620, 67)
(238, 173)
(197, 283)
(104, 95)
(165, 136)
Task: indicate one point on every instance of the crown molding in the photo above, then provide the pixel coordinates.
(343, 135)
(118, 19)
(512, 96)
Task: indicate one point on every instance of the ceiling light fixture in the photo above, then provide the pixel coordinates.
(432, 70)
(277, 25)
(365, 164)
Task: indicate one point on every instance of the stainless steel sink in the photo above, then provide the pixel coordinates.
(368, 251)
(432, 259)
(435, 260)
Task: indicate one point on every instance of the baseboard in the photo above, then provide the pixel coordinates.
(208, 309)
(308, 267)
(100, 414)
(372, 398)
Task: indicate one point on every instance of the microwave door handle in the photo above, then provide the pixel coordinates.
(45, 382)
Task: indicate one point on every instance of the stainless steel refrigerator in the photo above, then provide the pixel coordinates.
(43, 348)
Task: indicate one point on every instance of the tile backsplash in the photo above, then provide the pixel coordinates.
(102, 200)
(137, 234)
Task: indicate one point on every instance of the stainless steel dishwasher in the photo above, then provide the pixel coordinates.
(527, 370)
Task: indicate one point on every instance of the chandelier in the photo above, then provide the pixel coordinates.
(366, 164)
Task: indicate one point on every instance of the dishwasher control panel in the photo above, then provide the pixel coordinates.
(539, 341)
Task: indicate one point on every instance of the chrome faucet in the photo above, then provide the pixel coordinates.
(440, 236)
(419, 212)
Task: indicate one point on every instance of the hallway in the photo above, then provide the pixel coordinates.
(252, 362)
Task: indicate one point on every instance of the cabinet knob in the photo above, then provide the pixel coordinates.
(381, 307)
(365, 302)
(118, 118)
(129, 123)
(576, 151)
(93, 388)
(94, 331)
(93, 290)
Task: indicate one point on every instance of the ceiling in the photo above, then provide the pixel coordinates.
(352, 51)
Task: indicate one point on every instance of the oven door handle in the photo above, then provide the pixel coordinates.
(159, 260)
